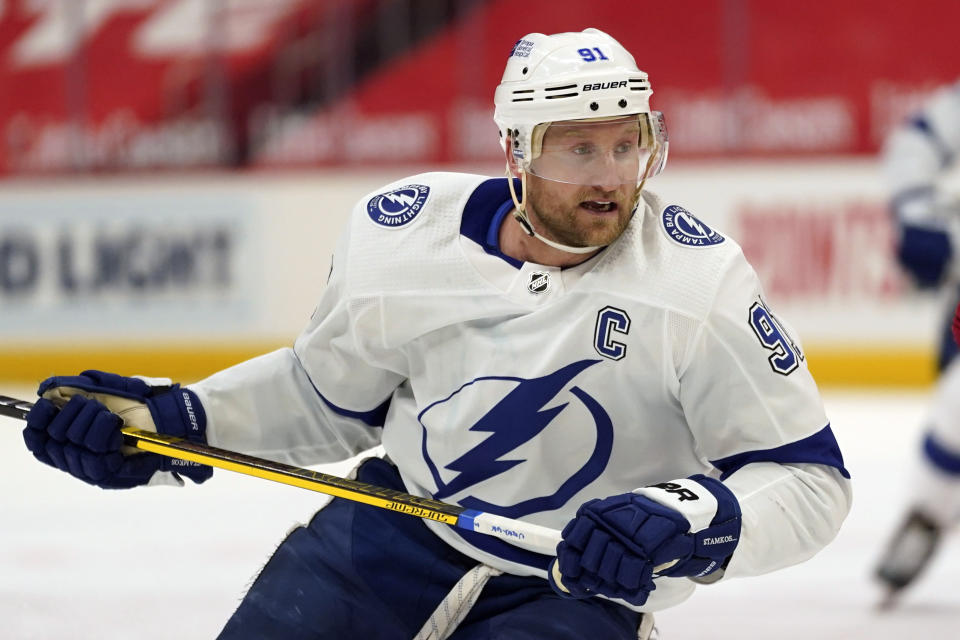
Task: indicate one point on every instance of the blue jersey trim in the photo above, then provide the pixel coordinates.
(373, 418)
(941, 457)
(484, 213)
(493, 233)
(820, 448)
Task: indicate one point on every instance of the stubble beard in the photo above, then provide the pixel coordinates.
(562, 220)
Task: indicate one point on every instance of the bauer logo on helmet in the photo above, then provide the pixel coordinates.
(597, 86)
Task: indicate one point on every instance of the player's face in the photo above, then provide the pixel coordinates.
(581, 188)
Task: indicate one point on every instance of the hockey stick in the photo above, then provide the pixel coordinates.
(532, 537)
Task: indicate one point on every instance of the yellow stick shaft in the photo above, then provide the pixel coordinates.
(527, 535)
(182, 449)
(173, 447)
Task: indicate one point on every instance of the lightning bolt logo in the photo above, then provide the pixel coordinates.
(402, 200)
(516, 419)
(686, 229)
(693, 223)
(398, 208)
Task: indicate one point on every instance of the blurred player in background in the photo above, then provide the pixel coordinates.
(915, 160)
(558, 345)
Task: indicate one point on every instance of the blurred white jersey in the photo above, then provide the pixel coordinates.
(918, 153)
(526, 390)
(917, 158)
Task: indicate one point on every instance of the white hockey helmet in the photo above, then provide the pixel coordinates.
(575, 79)
(585, 76)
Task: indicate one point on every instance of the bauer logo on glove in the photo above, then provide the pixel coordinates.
(616, 546)
(75, 426)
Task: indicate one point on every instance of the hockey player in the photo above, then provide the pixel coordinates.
(559, 345)
(915, 160)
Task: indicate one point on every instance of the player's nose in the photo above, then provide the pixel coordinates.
(606, 173)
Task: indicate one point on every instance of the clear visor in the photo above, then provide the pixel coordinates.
(603, 152)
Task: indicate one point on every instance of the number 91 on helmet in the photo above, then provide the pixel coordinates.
(574, 108)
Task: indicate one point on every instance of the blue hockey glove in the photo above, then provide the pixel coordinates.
(924, 253)
(75, 426)
(924, 246)
(616, 546)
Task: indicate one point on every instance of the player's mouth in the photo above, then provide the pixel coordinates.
(599, 206)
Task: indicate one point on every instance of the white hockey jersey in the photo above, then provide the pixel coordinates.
(525, 390)
(918, 153)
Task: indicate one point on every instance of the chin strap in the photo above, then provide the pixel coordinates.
(520, 214)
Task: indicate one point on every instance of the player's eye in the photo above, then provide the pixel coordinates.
(583, 149)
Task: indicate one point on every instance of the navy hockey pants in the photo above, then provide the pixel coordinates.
(361, 572)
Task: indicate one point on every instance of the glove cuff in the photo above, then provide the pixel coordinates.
(713, 512)
(178, 412)
(728, 507)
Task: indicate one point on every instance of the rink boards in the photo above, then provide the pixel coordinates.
(181, 276)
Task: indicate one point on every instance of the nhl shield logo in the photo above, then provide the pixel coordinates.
(539, 282)
(399, 207)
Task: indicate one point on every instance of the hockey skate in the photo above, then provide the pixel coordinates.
(907, 554)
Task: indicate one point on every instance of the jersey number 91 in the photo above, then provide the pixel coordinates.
(786, 356)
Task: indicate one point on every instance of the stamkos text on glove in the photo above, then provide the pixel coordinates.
(177, 462)
(718, 540)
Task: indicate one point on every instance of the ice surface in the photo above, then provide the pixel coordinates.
(77, 562)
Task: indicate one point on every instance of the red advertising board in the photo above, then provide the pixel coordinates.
(145, 84)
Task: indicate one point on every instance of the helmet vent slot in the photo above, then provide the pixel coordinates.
(564, 87)
(522, 91)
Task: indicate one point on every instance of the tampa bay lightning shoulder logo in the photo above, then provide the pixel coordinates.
(399, 207)
(685, 228)
(481, 431)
